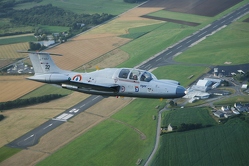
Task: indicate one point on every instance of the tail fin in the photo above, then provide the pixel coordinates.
(43, 63)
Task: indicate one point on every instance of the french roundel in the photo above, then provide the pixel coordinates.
(77, 77)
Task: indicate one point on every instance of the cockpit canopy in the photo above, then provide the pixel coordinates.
(136, 74)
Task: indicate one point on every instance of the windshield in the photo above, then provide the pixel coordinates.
(134, 75)
(124, 73)
(146, 76)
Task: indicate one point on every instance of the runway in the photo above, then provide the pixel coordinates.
(32, 137)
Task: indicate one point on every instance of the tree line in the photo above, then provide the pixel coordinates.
(30, 101)
(54, 16)
(51, 16)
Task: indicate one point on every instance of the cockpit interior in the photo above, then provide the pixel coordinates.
(135, 74)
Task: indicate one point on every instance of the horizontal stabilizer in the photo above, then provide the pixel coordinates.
(41, 53)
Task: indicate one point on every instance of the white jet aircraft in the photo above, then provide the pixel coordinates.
(125, 82)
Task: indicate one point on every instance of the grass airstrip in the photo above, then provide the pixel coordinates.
(115, 142)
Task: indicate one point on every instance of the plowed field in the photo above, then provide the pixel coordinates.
(199, 7)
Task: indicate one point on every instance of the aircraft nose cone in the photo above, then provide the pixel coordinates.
(180, 91)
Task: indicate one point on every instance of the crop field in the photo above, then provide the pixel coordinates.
(97, 6)
(198, 7)
(187, 115)
(126, 21)
(227, 45)
(13, 87)
(10, 51)
(219, 145)
(80, 51)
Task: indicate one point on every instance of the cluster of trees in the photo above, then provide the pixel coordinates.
(172, 103)
(54, 16)
(242, 76)
(35, 46)
(30, 101)
(51, 16)
(225, 83)
(6, 5)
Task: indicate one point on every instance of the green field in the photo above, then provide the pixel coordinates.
(187, 115)
(232, 100)
(227, 45)
(114, 7)
(18, 39)
(135, 33)
(163, 36)
(180, 73)
(45, 90)
(112, 142)
(7, 27)
(54, 29)
(6, 152)
(219, 145)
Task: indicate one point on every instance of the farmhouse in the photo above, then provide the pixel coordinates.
(240, 107)
(219, 114)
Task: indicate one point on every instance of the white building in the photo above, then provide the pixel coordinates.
(204, 83)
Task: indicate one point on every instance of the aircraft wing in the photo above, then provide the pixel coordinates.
(97, 87)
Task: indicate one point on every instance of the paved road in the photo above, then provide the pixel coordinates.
(31, 138)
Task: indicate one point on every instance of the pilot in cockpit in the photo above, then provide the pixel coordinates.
(146, 77)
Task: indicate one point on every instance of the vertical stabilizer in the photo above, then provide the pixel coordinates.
(43, 63)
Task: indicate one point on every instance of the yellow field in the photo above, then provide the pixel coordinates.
(10, 51)
(13, 87)
(79, 51)
(128, 20)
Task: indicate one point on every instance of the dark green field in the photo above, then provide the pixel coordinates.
(88, 6)
(219, 145)
(187, 115)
